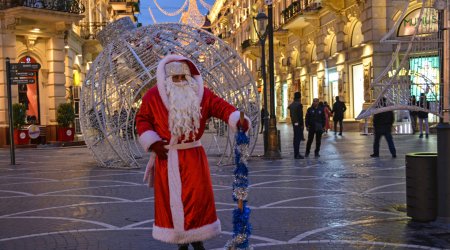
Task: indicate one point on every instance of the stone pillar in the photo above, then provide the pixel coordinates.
(7, 49)
(374, 21)
(56, 82)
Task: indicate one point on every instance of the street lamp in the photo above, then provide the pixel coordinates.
(443, 128)
(260, 25)
(273, 149)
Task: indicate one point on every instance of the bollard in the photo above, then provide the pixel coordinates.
(421, 186)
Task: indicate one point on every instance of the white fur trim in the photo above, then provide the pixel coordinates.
(234, 118)
(161, 77)
(148, 138)
(173, 172)
(169, 235)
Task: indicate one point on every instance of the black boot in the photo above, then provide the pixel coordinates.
(198, 245)
(183, 246)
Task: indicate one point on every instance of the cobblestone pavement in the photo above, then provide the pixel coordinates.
(57, 198)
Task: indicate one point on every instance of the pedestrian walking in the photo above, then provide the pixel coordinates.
(170, 123)
(413, 114)
(296, 110)
(264, 116)
(382, 123)
(338, 114)
(314, 122)
(423, 115)
(328, 114)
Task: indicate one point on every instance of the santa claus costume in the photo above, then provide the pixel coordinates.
(184, 202)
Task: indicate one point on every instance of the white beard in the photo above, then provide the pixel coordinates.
(184, 107)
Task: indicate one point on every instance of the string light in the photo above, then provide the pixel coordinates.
(151, 15)
(175, 13)
(205, 4)
(191, 16)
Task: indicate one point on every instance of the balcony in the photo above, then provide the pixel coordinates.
(68, 6)
(250, 48)
(118, 4)
(247, 44)
(295, 15)
(133, 7)
(89, 30)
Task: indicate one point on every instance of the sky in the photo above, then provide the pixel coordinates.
(169, 6)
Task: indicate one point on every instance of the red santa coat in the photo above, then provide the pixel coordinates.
(189, 214)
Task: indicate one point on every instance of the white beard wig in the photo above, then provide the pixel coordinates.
(184, 107)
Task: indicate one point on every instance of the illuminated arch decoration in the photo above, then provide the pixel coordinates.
(190, 16)
(126, 69)
(412, 69)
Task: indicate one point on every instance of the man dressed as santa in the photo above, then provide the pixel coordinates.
(170, 123)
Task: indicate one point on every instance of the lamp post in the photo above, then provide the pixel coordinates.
(273, 150)
(260, 24)
(443, 128)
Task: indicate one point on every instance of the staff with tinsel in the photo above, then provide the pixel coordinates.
(241, 226)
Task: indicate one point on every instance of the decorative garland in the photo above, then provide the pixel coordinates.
(175, 13)
(205, 4)
(151, 15)
(242, 228)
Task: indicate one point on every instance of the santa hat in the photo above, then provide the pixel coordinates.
(176, 65)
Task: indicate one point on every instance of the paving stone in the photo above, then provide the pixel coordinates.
(58, 198)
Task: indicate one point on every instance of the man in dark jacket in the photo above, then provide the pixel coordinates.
(338, 114)
(315, 122)
(423, 116)
(296, 110)
(382, 124)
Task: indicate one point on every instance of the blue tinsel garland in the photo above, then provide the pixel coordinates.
(241, 226)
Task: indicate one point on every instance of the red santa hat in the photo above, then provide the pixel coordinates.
(175, 66)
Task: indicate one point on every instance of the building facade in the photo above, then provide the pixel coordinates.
(60, 36)
(322, 48)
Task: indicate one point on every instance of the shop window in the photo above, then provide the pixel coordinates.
(425, 72)
(76, 97)
(315, 87)
(29, 94)
(425, 77)
(333, 83)
(284, 98)
(358, 88)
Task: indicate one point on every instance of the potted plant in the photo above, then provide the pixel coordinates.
(19, 113)
(65, 116)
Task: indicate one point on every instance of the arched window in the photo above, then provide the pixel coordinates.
(314, 53)
(333, 46)
(357, 36)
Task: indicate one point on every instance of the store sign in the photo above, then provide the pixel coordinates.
(427, 24)
(34, 131)
(23, 73)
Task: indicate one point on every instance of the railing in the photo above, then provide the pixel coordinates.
(299, 7)
(70, 6)
(89, 30)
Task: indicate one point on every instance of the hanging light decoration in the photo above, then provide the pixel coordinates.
(191, 16)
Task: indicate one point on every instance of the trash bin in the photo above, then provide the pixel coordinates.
(421, 186)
